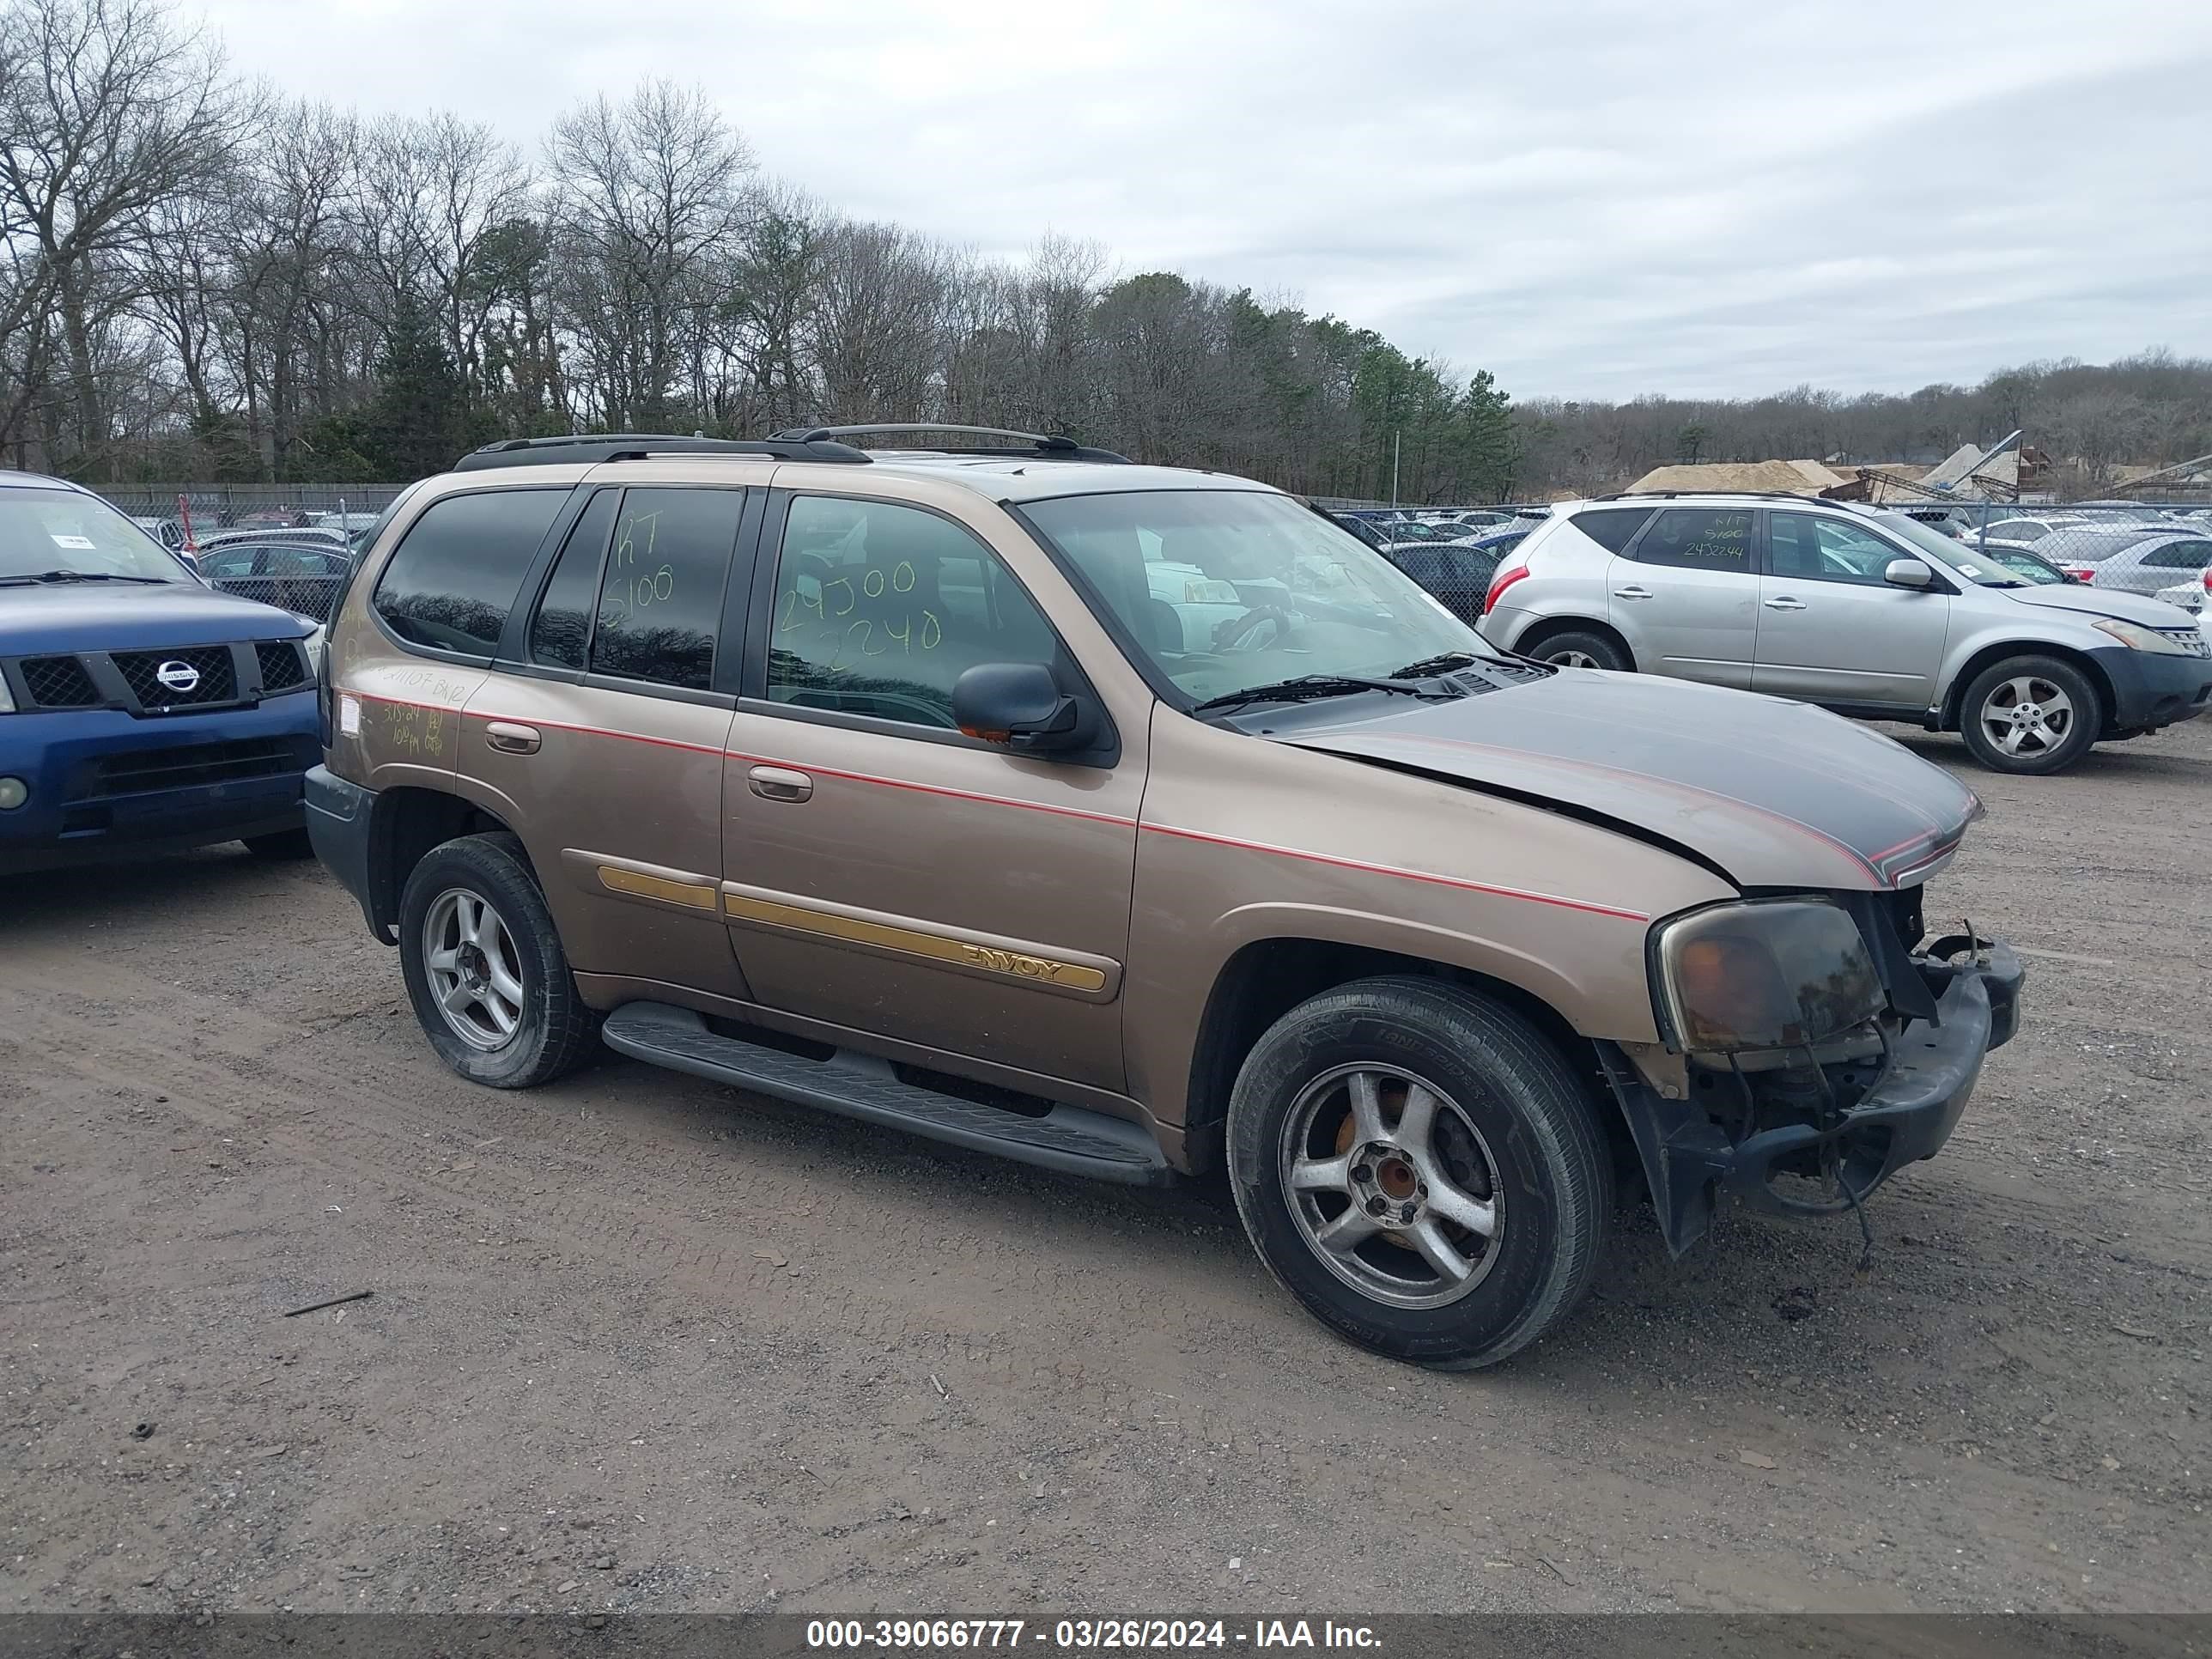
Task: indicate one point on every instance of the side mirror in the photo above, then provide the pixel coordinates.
(1020, 706)
(1908, 573)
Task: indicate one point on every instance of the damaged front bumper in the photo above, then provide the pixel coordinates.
(1926, 1075)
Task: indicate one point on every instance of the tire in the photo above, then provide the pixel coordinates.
(1581, 649)
(1511, 1116)
(283, 846)
(2049, 685)
(519, 1022)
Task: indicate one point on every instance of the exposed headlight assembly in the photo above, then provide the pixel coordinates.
(1769, 974)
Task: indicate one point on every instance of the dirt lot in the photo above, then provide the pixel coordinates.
(642, 1342)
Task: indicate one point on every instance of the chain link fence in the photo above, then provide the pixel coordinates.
(2155, 549)
(164, 508)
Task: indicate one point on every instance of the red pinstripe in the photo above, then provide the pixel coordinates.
(1037, 806)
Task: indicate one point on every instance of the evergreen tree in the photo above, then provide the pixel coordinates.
(418, 422)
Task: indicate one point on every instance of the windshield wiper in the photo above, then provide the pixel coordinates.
(1306, 687)
(82, 576)
(1431, 667)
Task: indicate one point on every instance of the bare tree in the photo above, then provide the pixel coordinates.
(649, 209)
(108, 109)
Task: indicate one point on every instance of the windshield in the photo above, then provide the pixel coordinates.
(1225, 590)
(44, 531)
(1953, 555)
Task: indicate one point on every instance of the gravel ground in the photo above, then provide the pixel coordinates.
(640, 1342)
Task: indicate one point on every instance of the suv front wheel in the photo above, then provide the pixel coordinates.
(1418, 1166)
(2030, 716)
(484, 967)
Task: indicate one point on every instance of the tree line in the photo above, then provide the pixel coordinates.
(209, 280)
(205, 279)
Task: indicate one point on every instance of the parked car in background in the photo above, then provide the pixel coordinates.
(2021, 561)
(2143, 564)
(2024, 530)
(2194, 597)
(168, 532)
(140, 708)
(302, 577)
(1862, 611)
(297, 537)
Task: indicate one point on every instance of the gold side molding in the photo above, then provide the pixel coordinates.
(641, 885)
(913, 942)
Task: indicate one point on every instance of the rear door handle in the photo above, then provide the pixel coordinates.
(510, 739)
(780, 783)
(1784, 602)
(1631, 592)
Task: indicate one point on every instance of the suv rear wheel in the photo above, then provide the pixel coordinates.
(1418, 1166)
(2030, 715)
(1582, 649)
(484, 967)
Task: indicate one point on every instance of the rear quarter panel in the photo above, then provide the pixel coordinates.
(1243, 839)
(1566, 578)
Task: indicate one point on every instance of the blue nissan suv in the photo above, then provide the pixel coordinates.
(140, 710)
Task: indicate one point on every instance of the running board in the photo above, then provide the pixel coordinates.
(1066, 1139)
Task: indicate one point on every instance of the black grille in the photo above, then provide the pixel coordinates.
(281, 666)
(218, 681)
(58, 682)
(185, 766)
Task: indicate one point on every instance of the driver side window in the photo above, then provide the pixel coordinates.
(879, 608)
(1806, 548)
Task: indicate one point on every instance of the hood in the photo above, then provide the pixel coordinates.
(126, 616)
(1773, 794)
(2093, 601)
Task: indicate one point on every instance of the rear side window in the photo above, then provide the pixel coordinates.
(2179, 555)
(561, 632)
(454, 578)
(2017, 530)
(660, 599)
(1699, 539)
(1612, 527)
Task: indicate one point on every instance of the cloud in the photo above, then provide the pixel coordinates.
(1594, 199)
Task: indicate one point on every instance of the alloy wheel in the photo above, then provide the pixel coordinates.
(473, 968)
(2027, 715)
(1392, 1185)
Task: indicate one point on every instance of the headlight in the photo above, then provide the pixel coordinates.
(312, 645)
(7, 697)
(2136, 637)
(1772, 974)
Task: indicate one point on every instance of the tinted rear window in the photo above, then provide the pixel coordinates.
(1612, 527)
(454, 578)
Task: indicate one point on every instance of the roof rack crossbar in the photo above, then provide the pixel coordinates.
(1042, 445)
(1671, 494)
(592, 447)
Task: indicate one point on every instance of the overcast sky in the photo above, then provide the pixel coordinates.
(1591, 198)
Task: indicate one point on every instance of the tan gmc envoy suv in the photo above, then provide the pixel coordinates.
(1133, 821)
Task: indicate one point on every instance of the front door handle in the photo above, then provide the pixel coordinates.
(509, 738)
(1631, 592)
(1784, 602)
(780, 783)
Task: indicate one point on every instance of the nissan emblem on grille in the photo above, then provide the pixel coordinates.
(180, 677)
